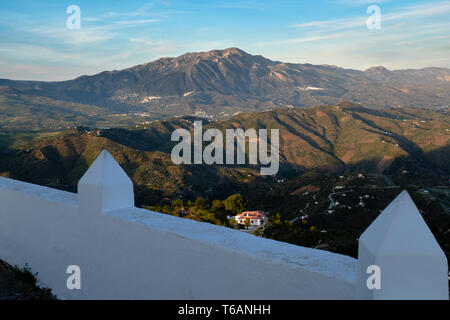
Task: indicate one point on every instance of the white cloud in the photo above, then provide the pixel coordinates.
(304, 39)
(361, 2)
(417, 11)
(83, 36)
(32, 52)
(333, 24)
(410, 37)
(147, 46)
(136, 22)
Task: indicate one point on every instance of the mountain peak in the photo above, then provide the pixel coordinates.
(214, 53)
(234, 50)
(378, 69)
(378, 73)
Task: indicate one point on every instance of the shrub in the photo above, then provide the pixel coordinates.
(235, 203)
(25, 274)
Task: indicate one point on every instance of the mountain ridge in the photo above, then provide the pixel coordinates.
(223, 82)
(331, 138)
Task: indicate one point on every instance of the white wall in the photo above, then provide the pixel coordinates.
(131, 253)
(412, 264)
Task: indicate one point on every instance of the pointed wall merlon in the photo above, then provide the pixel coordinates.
(105, 186)
(412, 264)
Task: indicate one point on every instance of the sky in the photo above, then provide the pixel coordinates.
(36, 44)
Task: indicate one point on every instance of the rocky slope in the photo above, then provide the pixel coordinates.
(19, 285)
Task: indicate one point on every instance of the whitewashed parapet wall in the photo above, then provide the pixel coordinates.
(412, 264)
(130, 253)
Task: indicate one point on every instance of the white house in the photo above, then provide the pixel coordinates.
(256, 218)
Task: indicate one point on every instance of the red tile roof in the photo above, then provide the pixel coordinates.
(251, 215)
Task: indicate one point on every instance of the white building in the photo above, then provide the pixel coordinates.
(256, 218)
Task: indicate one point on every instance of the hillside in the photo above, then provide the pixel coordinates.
(334, 138)
(349, 135)
(341, 138)
(17, 284)
(348, 154)
(218, 83)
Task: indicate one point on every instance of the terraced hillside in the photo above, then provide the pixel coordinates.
(341, 138)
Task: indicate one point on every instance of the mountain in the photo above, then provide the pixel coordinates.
(223, 82)
(338, 139)
(350, 135)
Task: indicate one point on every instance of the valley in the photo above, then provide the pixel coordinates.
(340, 165)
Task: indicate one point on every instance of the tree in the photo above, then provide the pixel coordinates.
(232, 222)
(177, 204)
(235, 203)
(166, 209)
(200, 203)
(247, 223)
(217, 204)
(275, 219)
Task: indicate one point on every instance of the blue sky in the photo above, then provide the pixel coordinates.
(35, 43)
